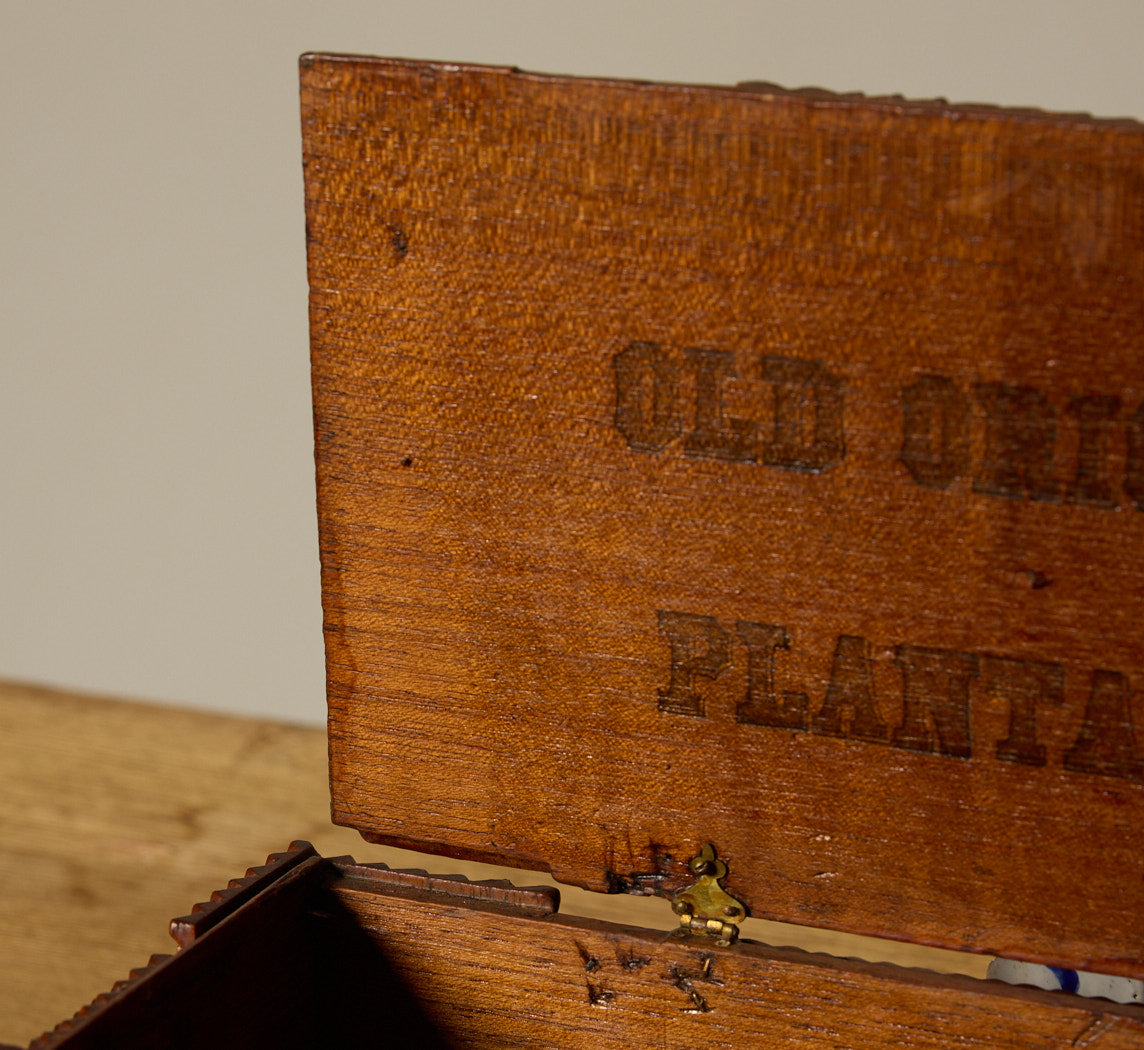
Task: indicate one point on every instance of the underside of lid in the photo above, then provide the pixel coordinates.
(746, 467)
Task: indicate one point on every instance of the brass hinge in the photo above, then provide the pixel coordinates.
(705, 907)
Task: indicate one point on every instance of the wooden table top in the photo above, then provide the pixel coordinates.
(118, 816)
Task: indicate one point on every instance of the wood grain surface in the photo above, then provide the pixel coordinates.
(736, 465)
(493, 980)
(305, 952)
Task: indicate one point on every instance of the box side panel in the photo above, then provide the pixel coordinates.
(489, 980)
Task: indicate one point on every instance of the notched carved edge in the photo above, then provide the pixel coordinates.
(531, 900)
(935, 105)
(210, 913)
(117, 991)
(184, 930)
(309, 62)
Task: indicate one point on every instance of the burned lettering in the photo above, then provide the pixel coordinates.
(713, 436)
(935, 700)
(1020, 434)
(699, 649)
(765, 705)
(1090, 485)
(1027, 446)
(647, 395)
(938, 691)
(804, 398)
(849, 709)
(1025, 685)
(807, 434)
(1107, 741)
(935, 433)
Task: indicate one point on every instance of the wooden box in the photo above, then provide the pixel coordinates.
(724, 466)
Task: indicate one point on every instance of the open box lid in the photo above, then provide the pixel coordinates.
(737, 466)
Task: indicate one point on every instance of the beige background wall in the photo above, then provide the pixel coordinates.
(157, 533)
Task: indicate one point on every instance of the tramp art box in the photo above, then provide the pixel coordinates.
(731, 495)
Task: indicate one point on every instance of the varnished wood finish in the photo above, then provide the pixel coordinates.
(491, 980)
(186, 929)
(711, 464)
(306, 953)
(524, 900)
